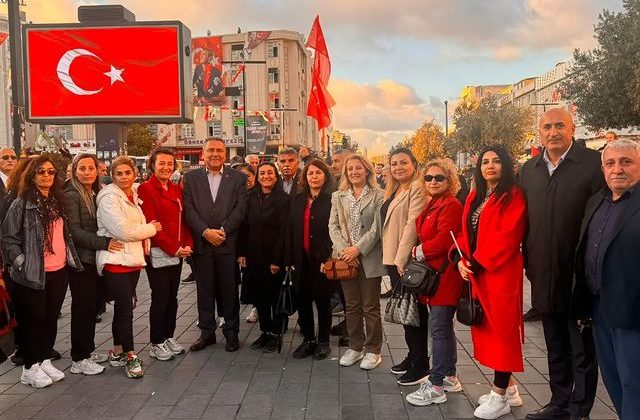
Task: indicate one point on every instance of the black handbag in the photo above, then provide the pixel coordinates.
(402, 308)
(469, 311)
(420, 278)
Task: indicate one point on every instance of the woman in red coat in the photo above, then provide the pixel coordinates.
(162, 202)
(442, 215)
(493, 226)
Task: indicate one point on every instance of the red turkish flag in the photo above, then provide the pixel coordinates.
(320, 100)
(3, 37)
(127, 72)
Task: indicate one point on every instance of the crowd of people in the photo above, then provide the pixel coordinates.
(569, 219)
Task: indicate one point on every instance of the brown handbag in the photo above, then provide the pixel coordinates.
(336, 269)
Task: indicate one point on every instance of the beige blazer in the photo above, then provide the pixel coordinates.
(369, 243)
(399, 227)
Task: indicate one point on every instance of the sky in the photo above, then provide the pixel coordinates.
(393, 62)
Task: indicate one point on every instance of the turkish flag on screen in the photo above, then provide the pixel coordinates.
(104, 72)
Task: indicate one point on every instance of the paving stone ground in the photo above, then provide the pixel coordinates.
(214, 384)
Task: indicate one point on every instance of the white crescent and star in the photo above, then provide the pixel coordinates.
(64, 64)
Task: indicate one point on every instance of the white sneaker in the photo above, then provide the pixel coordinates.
(160, 352)
(427, 394)
(220, 321)
(87, 367)
(253, 315)
(173, 346)
(350, 357)
(493, 407)
(513, 397)
(451, 384)
(370, 361)
(35, 377)
(99, 357)
(54, 373)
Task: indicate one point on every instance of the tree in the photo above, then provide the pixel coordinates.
(427, 142)
(604, 83)
(481, 124)
(140, 140)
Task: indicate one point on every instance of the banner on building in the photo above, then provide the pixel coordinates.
(254, 38)
(3, 37)
(256, 127)
(208, 81)
(129, 72)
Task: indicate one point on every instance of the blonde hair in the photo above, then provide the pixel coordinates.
(450, 173)
(345, 184)
(392, 184)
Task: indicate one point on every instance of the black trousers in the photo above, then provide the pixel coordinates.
(17, 331)
(38, 311)
(84, 288)
(215, 278)
(164, 283)
(266, 291)
(307, 296)
(573, 368)
(121, 287)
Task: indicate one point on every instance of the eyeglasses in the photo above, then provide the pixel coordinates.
(438, 178)
(48, 171)
(7, 157)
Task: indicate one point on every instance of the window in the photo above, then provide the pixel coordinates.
(274, 129)
(273, 75)
(214, 129)
(274, 101)
(188, 131)
(236, 52)
(237, 130)
(272, 50)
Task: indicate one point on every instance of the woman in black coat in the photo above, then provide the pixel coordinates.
(307, 248)
(260, 232)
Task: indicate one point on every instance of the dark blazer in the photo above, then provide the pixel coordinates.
(296, 183)
(3, 190)
(83, 227)
(555, 206)
(319, 240)
(620, 290)
(228, 211)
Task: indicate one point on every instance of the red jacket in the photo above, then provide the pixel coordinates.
(497, 342)
(165, 206)
(433, 225)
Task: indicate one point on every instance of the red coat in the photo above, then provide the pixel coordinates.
(497, 342)
(166, 207)
(433, 225)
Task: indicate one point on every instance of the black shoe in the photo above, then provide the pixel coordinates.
(322, 351)
(201, 343)
(580, 418)
(386, 294)
(549, 412)
(16, 359)
(340, 328)
(531, 315)
(413, 377)
(402, 367)
(55, 355)
(189, 279)
(260, 342)
(233, 343)
(271, 345)
(98, 319)
(306, 349)
(343, 341)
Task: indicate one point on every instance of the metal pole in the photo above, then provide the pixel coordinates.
(244, 108)
(446, 118)
(17, 87)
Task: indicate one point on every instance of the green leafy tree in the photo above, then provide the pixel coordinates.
(481, 124)
(604, 83)
(140, 140)
(427, 142)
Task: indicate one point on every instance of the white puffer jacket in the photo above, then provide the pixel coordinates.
(119, 218)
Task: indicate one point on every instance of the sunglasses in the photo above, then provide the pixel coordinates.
(7, 157)
(438, 178)
(48, 171)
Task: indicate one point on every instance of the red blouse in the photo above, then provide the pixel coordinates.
(307, 218)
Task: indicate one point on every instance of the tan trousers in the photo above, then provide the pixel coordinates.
(362, 297)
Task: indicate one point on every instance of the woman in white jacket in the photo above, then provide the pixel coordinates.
(119, 216)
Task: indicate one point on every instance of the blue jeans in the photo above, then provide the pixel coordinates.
(444, 356)
(618, 356)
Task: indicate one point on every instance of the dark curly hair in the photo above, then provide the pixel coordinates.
(329, 185)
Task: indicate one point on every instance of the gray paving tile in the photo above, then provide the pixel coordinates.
(389, 406)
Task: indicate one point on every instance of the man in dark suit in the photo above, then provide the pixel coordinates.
(288, 165)
(8, 160)
(215, 201)
(607, 266)
(557, 183)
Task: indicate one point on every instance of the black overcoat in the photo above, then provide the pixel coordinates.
(555, 206)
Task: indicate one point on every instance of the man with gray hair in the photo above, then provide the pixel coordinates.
(253, 160)
(606, 286)
(288, 165)
(338, 159)
(8, 160)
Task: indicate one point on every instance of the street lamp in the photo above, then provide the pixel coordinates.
(446, 119)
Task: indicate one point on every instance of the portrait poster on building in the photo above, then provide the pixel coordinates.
(208, 83)
(256, 134)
